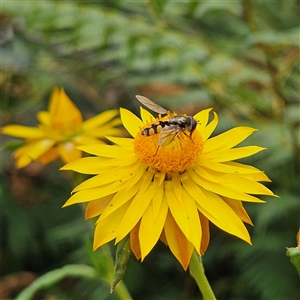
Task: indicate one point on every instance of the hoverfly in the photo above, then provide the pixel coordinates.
(169, 129)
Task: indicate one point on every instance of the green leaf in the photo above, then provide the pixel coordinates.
(53, 277)
(122, 256)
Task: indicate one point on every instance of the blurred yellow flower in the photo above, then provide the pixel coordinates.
(60, 130)
(168, 192)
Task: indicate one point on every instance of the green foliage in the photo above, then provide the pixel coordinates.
(240, 57)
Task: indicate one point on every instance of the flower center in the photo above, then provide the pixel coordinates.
(169, 151)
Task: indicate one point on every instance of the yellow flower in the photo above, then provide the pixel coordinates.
(61, 129)
(168, 192)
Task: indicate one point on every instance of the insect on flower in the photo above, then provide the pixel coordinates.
(169, 129)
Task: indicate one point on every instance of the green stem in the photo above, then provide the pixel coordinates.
(197, 271)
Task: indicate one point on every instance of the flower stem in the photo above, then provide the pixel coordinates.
(197, 271)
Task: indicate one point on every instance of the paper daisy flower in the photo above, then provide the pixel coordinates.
(60, 130)
(155, 190)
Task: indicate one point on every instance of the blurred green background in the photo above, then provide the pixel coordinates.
(239, 57)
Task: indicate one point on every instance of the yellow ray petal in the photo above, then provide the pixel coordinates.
(49, 156)
(176, 184)
(202, 172)
(86, 165)
(84, 139)
(28, 153)
(227, 167)
(202, 117)
(118, 174)
(130, 121)
(106, 229)
(43, 117)
(228, 139)
(96, 207)
(146, 116)
(151, 227)
(135, 242)
(105, 150)
(99, 120)
(107, 131)
(209, 129)
(216, 210)
(257, 177)
(232, 154)
(205, 233)
(93, 194)
(134, 213)
(222, 189)
(145, 190)
(65, 116)
(238, 208)
(126, 143)
(239, 183)
(158, 195)
(68, 152)
(177, 209)
(193, 220)
(24, 132)
(181, 248)
(125, 194)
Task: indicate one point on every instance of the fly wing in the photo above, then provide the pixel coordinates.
(151, 105)
(167, 135)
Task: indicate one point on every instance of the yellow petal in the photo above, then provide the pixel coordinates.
(65, 116)
(228, 139)
(84, 139)
(202, 117)
(257, 177)
(130, 121)
(28, 153)
(106, 229)
(238, 208)
(177, 210)
(137, 207)
(96, 207)
(24, 132)
(232, 154)
(123, 142)
(119, 199)
(176, 184)
(205, 233)
(151, 227)
(192, 216)
(209, 129)
(43, 117)
(104, 131)
(216, 210)
(68, 152)
(135, 242)
(221, 189)
(117, 174)
(181, 248)
(49, 156)
(227, 167)
(239, 183)
(86, 165)
(158, 195)
(105, 150)
(128, 191)
(146, 116)
(93, 194)
(99, 120)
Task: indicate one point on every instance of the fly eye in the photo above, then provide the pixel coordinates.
(194, 124)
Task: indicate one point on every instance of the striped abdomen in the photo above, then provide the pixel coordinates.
(155, 128)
